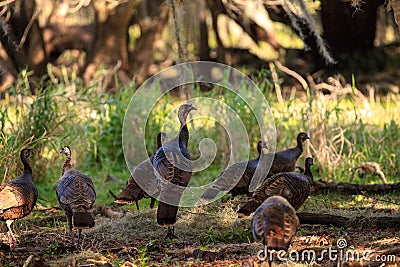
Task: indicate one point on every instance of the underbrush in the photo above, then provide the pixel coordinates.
(346, 128)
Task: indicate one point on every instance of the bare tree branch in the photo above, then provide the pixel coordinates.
(6, 2)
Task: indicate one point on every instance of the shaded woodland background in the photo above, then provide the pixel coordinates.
(134, 39)
(68, 70)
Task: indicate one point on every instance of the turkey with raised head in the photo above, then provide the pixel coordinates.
(173, 169)
(293, 186)
(18, 196)
(285, 160)
(242, 172)
(274, 224)
(143, 174)
(76, 195)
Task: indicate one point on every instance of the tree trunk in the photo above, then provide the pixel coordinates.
(7, 70)
(216, 8)
(110, 45)
(346, 29)
(204, 49)
(59, 36)
(22, 38)
(142, 56)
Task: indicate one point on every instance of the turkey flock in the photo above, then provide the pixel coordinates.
(166, 174)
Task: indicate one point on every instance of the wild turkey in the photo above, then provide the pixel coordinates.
(143, 173)
(18, 196)
(76, 195)
(274, 224)
(224, 181)
(173, 169)
(293, 186)
(285, 160)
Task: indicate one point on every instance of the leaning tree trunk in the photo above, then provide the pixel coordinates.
(346, 29)
(21, 38)
(110, 46)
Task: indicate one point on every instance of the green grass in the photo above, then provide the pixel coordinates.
(345, 130)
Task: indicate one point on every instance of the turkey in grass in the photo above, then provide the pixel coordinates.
(281, 161)
(293, 186)
(285, 160)
(274, 224)
(143, 175)
(18, 196)
(76, 195)
(173, 168)
(242, 172)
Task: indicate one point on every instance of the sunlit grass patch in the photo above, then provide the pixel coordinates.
(345, 127)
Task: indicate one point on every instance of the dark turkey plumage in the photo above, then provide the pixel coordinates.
(76, 195)
(285, 160)
(232, 173)
(293, 186)
(143, 174)
(173, 169)
(18, 196)
(275, 223)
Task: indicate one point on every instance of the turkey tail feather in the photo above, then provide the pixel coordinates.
(276, 243)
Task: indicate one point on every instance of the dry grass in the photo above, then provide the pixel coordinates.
(211, 235)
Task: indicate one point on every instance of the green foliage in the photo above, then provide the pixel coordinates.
(237, 234)
(27, 120)
(167, 260)
(339, 231)
(143, 257)
(52, 248)
(106, 128)
(345, 129)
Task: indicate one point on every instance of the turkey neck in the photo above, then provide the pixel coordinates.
(27, 167)
(184, 134)
(300, 144)
(259, 149)
(159, 143)
(308, 173)
(67, 163)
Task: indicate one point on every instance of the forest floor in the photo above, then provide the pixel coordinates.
(211, 235)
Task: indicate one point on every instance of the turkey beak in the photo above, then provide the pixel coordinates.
(193, 108)
(265, 148)
(264, 145)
